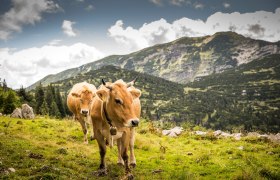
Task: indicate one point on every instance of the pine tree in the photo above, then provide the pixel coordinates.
(59, 103)
(10, 102)
(44, 108)
(54, 111)
(4, 84)
(50, 95)
(39, 97)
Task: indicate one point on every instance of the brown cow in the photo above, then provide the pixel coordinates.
(116, 105)
(79, 100)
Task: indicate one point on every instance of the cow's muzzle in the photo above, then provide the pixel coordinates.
(84, 112)
(134, 122)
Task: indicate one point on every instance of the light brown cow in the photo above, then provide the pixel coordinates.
(79, 102)
(116, 105)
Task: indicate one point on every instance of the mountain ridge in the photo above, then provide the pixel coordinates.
(182, 60)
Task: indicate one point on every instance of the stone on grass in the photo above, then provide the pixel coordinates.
(16, 113)
(27, 112)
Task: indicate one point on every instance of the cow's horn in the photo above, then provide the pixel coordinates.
(104, 83)
(132, 82)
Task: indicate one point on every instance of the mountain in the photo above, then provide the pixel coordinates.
(245, 98)
(183, 60)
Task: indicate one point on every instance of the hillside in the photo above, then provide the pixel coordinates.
(244, 99)
(182, 60)
(54, 149)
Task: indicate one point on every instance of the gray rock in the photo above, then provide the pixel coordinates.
(16, 113)
(12, 170)
(173, 132)
(27, 112)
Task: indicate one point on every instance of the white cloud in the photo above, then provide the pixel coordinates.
(23, 13)
(54, 42)
(226, 5)
(68, 29)
(89, 7)
(27, 66)
(157, 2)
(259, 25)
(198, 5)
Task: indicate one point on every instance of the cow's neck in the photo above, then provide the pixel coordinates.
(113, 129)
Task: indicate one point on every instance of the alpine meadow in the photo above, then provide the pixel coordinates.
(184, 90)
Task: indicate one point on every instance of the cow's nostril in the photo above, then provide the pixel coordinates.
(134, 123)
(84, 112)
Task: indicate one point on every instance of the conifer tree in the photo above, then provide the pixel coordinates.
(11, 101)
(59, 103)
(54, 111)
(39, 97)
(44, 108)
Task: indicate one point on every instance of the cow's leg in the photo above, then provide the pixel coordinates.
(124, 148)
(91, 128)
(84, 127)
(102, 151)
(120, 159)
(131, 146)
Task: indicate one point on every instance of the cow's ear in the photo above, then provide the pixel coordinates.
(76, 95)
(102, 94)
(136, 93)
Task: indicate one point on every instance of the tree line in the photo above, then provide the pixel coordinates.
(47, 101)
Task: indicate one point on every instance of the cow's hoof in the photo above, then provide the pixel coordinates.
(133, 165)
(92, 138)
(101, 172)
(120, 164)
(130, 176)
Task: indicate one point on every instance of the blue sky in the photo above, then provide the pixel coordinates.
(41, 37)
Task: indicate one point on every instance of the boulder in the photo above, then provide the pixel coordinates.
(1, 114)
(253, 134)
(217, 133)
(237, 136)
(224, 134)
(200, 133)
(16, 113)
(173, 132)
(27, 112)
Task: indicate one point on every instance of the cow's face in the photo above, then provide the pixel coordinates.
(119, 103)
(85, 99)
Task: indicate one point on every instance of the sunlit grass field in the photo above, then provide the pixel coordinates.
(53, 149)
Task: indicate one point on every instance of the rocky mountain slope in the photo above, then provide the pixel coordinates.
(182, 60)
(245, 98)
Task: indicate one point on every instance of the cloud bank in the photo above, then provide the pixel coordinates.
(23, 13)
(30, 65)
(258, 25)
(68, 29)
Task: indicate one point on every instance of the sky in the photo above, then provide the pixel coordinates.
(42, 37)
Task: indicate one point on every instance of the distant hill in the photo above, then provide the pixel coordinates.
(182, 60)
(240, 99)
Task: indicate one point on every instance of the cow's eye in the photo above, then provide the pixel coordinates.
(118, 101)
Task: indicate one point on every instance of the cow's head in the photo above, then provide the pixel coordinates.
(119, 102)
(85, 98)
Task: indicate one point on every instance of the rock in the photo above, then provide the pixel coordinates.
(27, 112)
(253, 134)
(274, 138)
(12, 170)
(189, 153)
(270, 153)
(1, 114)
(217, 133)
(237, 136)
(224, 134)
(16, 113)
(240, 148)
(173, 132)
(165, 132)
(200, 133)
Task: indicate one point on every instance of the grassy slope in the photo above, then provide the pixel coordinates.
(211, 159)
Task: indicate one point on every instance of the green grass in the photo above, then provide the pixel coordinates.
(54, 149)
